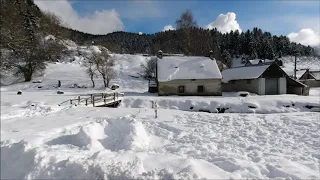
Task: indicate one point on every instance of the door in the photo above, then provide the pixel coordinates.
(271, 86)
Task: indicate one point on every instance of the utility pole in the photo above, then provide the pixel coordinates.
(295, 64)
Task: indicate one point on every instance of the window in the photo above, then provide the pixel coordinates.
(248, 81)
(200, 89)
(181, 89)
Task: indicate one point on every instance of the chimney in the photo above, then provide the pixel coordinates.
(211, 55)
(160, 55)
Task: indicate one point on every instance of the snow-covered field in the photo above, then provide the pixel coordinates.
(258, 137)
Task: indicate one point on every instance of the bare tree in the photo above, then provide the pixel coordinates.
(91, 71)
(149, 69)
(186, 20)
(104, 64)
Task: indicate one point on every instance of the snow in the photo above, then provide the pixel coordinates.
(187, 67)
(232, 103)
(314, 92)
(107, 143)
(257, 137)
(248, 72)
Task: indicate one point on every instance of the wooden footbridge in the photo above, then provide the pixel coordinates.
(96, 100)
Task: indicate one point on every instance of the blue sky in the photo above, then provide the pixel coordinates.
(299, 20)
(151, 16)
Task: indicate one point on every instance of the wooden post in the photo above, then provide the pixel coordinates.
(93, 101)
(114, 99)
(70, 101)
(156, 109)
(86, 102)
(91, 97)
(78, 99)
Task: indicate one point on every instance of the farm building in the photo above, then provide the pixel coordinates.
(311, 78)
(188, 75)
(262, 80)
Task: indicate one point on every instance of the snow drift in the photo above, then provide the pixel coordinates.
(177, 145)
(250, 104)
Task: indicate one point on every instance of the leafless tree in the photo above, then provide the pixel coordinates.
(91, 70)
(149, 69)
(104, 64)
(186, 20)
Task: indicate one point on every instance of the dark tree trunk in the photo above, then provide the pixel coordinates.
(104, 81)
(108, 82)
(27, 76)
(93, 85)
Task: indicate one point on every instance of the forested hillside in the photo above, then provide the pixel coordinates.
(198, 41)
(24, 46)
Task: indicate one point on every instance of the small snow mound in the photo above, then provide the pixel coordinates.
(95, 49)
(50, 37)
(125, 133)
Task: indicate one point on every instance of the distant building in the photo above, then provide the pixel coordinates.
(311, 78)
(255, 62)
(188, 75)
(260, 79)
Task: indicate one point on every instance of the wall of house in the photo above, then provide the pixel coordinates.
(212, 87)
(295, 90)
(311, 82)
(282, 85)
(262, 86)
(242, 85)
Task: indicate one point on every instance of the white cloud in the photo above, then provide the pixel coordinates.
(100, 22)
(140, 33)
(168, 27)
(225, 23)
(305, 37)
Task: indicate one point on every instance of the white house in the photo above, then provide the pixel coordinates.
(188, 75)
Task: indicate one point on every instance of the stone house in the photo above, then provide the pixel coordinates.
(188, 75)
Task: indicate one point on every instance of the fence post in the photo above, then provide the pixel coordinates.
(114, 99)
(86, 102)
(93, 101)
(156, 109)
(91, 97)
(70, 101)
(78, 99)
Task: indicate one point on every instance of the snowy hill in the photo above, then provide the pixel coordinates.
(257, 137)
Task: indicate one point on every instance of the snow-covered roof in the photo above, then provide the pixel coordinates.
(315, 74)
(247, 72)
(187, 67)
(255, 61)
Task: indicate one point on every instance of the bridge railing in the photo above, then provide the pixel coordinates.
(95, 98)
